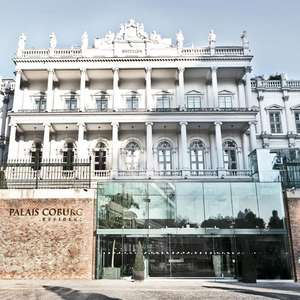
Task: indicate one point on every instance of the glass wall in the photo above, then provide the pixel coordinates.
(193, 229)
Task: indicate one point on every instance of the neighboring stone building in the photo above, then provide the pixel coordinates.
(6, 101)
(168, 130)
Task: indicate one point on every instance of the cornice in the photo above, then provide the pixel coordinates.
(132, 59)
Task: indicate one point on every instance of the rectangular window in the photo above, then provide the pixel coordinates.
(193, 102)
(225, 101)
(71, 103)
(132, 102)
(163, 102)
(102, 104)
(40, 104)
(297, 120)
(275, 122)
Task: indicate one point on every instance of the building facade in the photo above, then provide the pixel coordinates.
(168, 130)
(6, 101)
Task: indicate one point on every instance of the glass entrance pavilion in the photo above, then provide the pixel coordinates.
(192, 229)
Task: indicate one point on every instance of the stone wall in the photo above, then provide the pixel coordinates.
(46, 234)
(293, 204)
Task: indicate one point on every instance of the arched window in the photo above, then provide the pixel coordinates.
(132, 156)
(36, 156)
(197, 155)
(100, 157)
(164, 150)
(68, 157)
(230, 155)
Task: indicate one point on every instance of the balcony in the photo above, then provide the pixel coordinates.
(66, 110)
(32, 110)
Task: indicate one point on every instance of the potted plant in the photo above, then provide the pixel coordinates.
(138, 268)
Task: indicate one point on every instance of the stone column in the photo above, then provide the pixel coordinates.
(213, 154)
(13, 146)
(181, 101)
(288, 117)
(245, 142)
(149, 149)
(248, 86)
(149, 102)
(253, 144)
(82, 89)
(49, 103)
(81, 150)
(214, 82)
(184, 148)
(219, 144)
(46, 141)
(115, 148)
(262, 114)
(17, 104)
(241, 94)
(115, 88)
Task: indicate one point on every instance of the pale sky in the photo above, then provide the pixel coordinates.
(273, 26)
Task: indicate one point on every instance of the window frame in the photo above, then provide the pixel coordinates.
(297, 122)
(192, 95)
(163, 98)
(197, 162)
(166, 154)
(227, 153)
(273, 121)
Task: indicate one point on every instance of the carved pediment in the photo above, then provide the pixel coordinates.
(295, 107)
(131, 32)
(274, 107)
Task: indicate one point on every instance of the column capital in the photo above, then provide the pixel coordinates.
(47, 124)
(13, 125)
(19, 71)
(81, 124)
(50, 70)
(149, 123)
(260, 97)
(218, 123)
(252, 123)
(183, 123)
(115, 69)
(214, 69)
(115, 124)
(181, 69)
(248, 69)
(148, 69)
(82, 70)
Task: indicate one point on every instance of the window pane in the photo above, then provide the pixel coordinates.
(218, 209)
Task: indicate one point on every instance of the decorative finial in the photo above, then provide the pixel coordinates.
(245, 42)
(53, 40)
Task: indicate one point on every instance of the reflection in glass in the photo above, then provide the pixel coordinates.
(218, 209)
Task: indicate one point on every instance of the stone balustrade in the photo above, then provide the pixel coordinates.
(77, 52)
(275, 84)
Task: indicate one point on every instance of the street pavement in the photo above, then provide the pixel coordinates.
(153, 289)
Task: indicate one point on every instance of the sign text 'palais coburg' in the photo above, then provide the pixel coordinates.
(48, 214)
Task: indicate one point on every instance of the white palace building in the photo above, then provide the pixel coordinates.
(167, 132)
(141, 105)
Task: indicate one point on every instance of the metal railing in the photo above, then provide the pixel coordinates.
(48, 174)
(45, 174)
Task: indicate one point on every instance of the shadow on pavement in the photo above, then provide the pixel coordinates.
(270, 295)
(70, 294)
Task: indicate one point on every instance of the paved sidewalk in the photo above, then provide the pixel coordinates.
(150, 289)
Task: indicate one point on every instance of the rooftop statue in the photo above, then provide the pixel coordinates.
(22, 41)
(179, 39)
(212, 38)
(84, 40)
(53, 40)
(245, 41)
